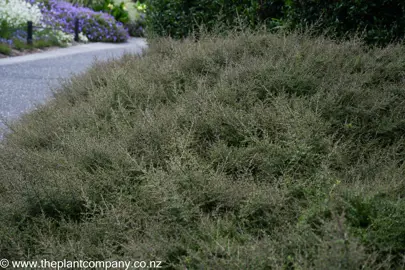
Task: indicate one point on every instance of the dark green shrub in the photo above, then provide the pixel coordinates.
(177, 18)
(379, 21)
(5, 31)
(382, 21)
(271, 9)
(136, 28)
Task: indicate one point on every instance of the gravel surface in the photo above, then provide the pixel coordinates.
(26, 81)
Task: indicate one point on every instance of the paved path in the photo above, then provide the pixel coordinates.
(27, 80)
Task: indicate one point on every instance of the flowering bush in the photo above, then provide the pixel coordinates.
(15, 13)
(97, 26)
(8, 42)
(137, 23)
(119, 12)
(141, 7)
(56, 21)
(40, 36)
(83, 38)
(62, 37)
(136, 28)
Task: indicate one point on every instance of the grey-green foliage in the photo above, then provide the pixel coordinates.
(251, 151)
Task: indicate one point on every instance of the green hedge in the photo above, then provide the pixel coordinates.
(178, 18)
(269, 10)
(381, 20)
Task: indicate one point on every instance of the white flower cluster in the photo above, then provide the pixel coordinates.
(17, 13)
(63, 38)
(83, 38)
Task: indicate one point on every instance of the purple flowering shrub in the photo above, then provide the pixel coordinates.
(8, 42)
(97, 26)
(19, 35)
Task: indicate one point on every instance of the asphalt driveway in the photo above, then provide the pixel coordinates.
(27, 80)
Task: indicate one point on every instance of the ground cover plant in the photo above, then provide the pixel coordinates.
(251, 151)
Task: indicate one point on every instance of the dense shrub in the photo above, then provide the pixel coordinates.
(136, 28)
(119, 11)
(271, 9)
(252, 151)
(137, 25)
(97, 26)
(381, 20)
(124, 11)
(178, 18)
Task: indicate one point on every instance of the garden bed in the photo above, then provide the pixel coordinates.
(15, 52)
(55, 24)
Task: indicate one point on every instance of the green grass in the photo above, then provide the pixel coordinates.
(5, 49)
(37, 44)
(40, 44)
(252, 151)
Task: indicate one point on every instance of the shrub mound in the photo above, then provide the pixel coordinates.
(252, 151)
